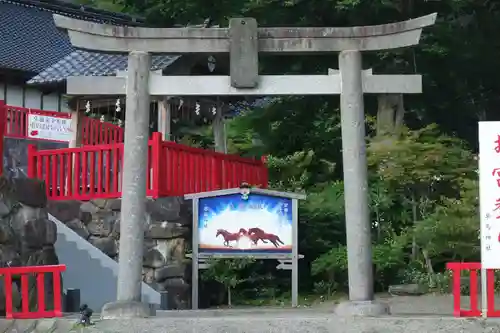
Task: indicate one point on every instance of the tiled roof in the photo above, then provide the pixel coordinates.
(82, 63)
(29, 39)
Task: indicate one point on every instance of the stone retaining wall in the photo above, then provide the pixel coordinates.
(27, 236)
(167, 231)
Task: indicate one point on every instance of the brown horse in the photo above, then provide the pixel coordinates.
(253, 237)
(263, 235)
(228, 237)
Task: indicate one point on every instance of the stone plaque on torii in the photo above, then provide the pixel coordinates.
(243, 40)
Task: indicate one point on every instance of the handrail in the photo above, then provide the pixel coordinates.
(90, 172)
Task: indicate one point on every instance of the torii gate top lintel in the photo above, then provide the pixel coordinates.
(109, 38)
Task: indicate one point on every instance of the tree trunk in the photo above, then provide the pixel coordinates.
(414, 246)
(390, 114)
(428, 262)
(229, 297)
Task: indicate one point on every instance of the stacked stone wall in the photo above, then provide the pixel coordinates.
(166, 233)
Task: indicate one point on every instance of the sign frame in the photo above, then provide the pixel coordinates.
(293, 256)
(54, 136)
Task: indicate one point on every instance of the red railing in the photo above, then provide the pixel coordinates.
(91, 172)
(39, 272)
(183, 169)
(16, 125)
(94, 131)
(473, 268)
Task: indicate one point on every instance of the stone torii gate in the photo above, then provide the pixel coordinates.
(244, 41)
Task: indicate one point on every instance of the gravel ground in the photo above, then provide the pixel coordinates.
(409, 315)
(303, 324)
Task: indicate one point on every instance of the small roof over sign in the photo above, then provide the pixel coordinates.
(238, 190)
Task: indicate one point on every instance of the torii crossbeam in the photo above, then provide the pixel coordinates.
(271, 85)
(243, 40)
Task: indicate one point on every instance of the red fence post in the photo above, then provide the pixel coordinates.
(3, 123)
(32, 161)
(155, 167)
(263, 172)
(218, 173)
(490, 292)
(39, 272)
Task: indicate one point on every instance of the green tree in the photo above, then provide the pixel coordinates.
(227, 272)
(421, 166)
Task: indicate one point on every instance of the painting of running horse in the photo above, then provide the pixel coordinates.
(254, 234)
(257, 224)
(262, 235)
(227, 236)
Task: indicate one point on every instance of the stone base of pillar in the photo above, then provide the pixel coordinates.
(126, 309)
(362, 308)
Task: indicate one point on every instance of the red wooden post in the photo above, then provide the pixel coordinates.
(217, 173)
(156, 163)
(53, 175)
(263, 172)
(32, 161)
(3, 122)
(490, 292)
(473, 292)
(8, 294)
(92, 184)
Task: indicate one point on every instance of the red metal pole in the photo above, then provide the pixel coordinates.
(3, 121)
(156, 159)
(32, 161)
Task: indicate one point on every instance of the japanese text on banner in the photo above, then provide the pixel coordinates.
(49, 128)
(489, 178)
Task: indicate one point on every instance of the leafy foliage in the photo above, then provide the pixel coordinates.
(227, 272)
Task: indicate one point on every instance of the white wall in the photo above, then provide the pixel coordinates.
(30, 97)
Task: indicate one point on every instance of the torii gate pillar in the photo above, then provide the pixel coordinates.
(244, 41)
(133, 204)
(358, 226)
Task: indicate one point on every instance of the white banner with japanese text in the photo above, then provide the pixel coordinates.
(489, 193)
(49, 128)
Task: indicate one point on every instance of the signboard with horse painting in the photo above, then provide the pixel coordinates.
(245, 222)
(237, 224)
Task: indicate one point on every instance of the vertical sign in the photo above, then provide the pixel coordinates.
(489, 193)
(49, 128)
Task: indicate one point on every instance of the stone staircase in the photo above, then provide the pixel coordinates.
(90, 270)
